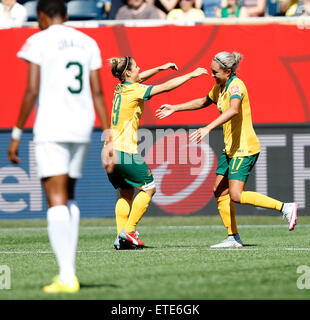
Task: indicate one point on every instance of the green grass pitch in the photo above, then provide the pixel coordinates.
(177, 263)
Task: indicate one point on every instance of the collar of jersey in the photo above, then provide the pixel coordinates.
(56, 25)
(126, 82)
(229, 81)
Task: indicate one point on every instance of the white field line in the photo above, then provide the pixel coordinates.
(246, 226)
(240, 250)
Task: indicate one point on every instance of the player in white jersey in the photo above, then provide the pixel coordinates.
(63, 74)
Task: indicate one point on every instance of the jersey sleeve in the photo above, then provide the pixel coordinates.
(95, 62)
(214, 94)
(143, 92)
(236, 91)
(31, 50)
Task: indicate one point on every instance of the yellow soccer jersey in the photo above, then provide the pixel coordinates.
(128, 106)
(239, 136)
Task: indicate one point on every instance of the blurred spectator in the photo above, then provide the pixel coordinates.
(104, 6)
(137, 9)
(272, 8)
(209, 7)
(255, 8)
(187, 12)
(288, 7)
(12, 14)
(164, 5)
(232, 10)
(303, 8)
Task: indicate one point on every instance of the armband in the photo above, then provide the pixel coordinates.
(16, 133)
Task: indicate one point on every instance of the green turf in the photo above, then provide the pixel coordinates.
(176, 264)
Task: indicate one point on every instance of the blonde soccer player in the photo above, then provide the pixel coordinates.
(242, 146)
(131, 171)
(63, 73)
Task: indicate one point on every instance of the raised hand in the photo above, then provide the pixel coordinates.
(165, 111)
(199, 71)
(170, 65)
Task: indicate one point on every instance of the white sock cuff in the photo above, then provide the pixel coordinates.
(72, 203)
(73, 207)
(58, 213)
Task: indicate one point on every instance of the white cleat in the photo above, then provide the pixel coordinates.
(289, 211)
(231, 242)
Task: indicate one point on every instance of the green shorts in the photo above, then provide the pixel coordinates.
(237, 168)
(131, 171)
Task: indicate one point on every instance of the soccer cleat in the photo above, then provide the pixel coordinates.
(232, 241)
(59, 287)
(123, 245)
(289, 211)
(131, 238)
(117, 244)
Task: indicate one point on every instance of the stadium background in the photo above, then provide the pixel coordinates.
(274, 68)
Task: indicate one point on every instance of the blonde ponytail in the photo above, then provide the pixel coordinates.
(119, 66)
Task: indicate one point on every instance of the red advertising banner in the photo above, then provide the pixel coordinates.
(275, 66)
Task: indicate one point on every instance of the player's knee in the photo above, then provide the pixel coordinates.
(57, 199)
(218, 192)
(235, 196)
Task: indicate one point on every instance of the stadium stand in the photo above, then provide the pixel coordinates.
(272, 8)
(94, 9)
(31, 7)
(83, 10)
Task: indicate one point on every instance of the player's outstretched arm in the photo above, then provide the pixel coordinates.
(177, 82)
(235, 108)
(143, 76)
(30, 96)
(166, 109)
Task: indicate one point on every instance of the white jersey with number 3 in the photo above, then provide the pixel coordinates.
(65, 108)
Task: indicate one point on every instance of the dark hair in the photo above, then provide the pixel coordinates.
(119, 66)
(52, 8)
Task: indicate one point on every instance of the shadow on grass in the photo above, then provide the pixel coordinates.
(190, 247)
(98, 285)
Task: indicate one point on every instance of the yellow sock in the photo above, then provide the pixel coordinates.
(227, 211)
(139, 206)
(259, 200)
(122, 210)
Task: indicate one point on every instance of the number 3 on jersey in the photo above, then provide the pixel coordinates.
(116, 107)
(79, 77)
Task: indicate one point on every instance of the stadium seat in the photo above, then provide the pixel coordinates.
(272, 8)
(31, 7)
(82, 10)
(22, 1)
(208, 7)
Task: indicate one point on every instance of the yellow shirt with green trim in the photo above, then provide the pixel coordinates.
(239, 136)
(128, 107)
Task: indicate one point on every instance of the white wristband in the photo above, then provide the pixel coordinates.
(16, 133)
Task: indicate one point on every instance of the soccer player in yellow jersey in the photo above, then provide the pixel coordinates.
(131, 171)
(241, 145)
